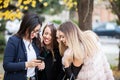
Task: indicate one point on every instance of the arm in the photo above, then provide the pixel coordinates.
(69, 73)
(9, 63)
(66, 61)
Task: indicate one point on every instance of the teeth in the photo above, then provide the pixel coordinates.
(46, 40)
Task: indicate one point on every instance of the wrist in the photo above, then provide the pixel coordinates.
(26, 64)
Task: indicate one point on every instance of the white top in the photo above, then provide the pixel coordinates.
(30, 56)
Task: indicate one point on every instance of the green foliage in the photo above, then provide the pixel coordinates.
(2, 42)
(117, 2)
(1, 57)
(113, 67)
(118, 22)
(57, 21)
(17, 7)
(75, 21)
(52, 8)
(2, 38)
(2, 25)
(2, 49)
(116, 9)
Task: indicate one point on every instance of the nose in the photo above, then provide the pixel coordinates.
(47, 36)
(61, 39)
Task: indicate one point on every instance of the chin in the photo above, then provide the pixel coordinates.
(46, 43)
(32, 37)
(65, 44)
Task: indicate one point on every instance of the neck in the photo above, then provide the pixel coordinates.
(27, 39)
(48, 47)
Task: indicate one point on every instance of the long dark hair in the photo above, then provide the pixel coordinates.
(29, 22)
(54, 43)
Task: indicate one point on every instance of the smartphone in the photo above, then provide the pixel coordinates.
(40, 58)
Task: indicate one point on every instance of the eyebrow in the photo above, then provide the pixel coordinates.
(37, 29)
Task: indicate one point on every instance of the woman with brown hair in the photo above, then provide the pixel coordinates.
(50, 51)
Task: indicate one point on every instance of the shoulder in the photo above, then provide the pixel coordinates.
(94, 60)
(14, 39)
(91, 35)
(89, 32)
(68, 54)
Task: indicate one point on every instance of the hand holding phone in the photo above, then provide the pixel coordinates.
(40, 58)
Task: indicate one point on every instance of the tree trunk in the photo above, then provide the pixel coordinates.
(116, 10)
(85, 10)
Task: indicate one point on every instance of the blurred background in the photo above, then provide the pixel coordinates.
(101, 16)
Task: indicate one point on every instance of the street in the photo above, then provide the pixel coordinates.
(111, 49)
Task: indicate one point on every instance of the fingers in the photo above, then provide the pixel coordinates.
(37, 61)
(41, 66)
(32, 63)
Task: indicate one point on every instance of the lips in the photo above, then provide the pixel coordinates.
(32, 36)
(46, 40)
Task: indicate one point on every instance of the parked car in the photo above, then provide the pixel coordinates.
(108, 29)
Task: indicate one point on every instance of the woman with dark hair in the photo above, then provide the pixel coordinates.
(53, 65)
(22, 49)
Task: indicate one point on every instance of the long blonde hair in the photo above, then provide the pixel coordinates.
(83, 44)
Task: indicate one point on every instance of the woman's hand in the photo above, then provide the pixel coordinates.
(41, 65)
(32, 63)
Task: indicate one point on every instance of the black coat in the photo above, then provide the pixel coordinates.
(53, 66)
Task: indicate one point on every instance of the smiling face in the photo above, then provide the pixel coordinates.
(62, 38)
(57, 36)
(35, 32)
(47, 38)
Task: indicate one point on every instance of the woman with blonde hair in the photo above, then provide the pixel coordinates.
(82, 54)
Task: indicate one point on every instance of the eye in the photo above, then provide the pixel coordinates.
(57, 37)
(36, 31)
(46, 33)
(62, 36)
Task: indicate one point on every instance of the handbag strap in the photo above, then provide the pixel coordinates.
(72, 77)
